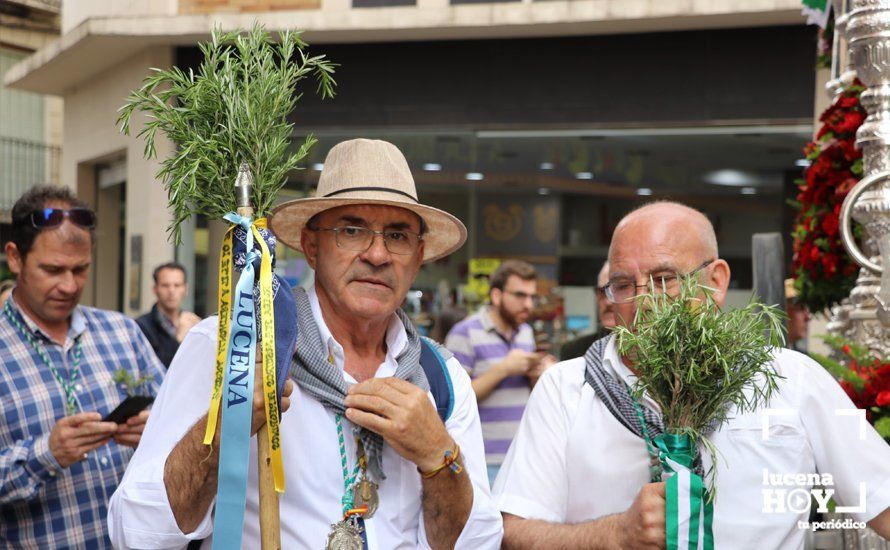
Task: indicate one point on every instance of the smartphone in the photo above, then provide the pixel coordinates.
(130, 406)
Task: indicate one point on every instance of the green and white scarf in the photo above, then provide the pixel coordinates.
(689, 512)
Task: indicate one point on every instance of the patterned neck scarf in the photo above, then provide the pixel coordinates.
(616, 396)
(323, 381)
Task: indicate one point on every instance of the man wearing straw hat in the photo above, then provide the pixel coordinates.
(369, 460)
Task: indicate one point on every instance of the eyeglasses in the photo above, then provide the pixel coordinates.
(359, 239)
(52, 217)
(522, 296)
(625, 290)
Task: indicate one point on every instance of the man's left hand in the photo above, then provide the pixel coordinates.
(130, 432)
(187, 320)
(403, 414)
(545, 362)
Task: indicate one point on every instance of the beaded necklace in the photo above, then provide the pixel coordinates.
(655, 469)
(69, 385)
(349, 532)
(348, 479)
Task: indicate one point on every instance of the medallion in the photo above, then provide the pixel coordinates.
(345, 535)
(365, 493)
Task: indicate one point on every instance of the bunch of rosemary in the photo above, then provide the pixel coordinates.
(234, 110)
(132, 384)
(698, 362)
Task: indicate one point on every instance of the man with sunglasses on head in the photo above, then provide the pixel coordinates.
(59, 462)
(497, 347)
(580, 473)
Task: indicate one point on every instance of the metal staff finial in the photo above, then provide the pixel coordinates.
(243, 187)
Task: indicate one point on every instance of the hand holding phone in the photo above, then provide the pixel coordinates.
(130, 406)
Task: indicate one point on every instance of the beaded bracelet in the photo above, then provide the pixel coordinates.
(450, 461)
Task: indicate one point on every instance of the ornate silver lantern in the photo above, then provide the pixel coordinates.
(841, 73)
(867, 30)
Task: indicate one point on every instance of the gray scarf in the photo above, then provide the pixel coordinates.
(617, 398)
(323, 381)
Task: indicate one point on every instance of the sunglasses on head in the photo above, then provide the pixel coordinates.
(52, 217)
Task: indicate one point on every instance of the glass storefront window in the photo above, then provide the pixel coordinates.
(553, 197)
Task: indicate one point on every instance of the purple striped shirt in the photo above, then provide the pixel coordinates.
(478, 345)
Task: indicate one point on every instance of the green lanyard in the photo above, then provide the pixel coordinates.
(655, 469)
(69, 385)
(348, 479)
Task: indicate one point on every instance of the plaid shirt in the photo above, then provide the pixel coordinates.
(43, 505)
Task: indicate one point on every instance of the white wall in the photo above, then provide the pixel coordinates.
(75, 12)
(21, 113)
(91, 136)
(432, 16)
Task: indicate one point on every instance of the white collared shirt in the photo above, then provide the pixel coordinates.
(140, 515)
(572, 461)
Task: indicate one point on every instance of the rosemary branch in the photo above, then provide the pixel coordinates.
(701, 364)
(234, 110)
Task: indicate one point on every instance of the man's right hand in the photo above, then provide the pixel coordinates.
(190, 473)
(642, 525)
(258, 417)
(259, 405)
(518, 362)
(74, 436)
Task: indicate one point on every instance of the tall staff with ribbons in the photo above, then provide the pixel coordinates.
(229, 122)
(234, 378)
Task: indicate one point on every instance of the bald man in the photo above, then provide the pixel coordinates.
(577, 477)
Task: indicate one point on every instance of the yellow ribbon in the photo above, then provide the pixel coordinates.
(267, 318)
(222, 334)
(270, 393)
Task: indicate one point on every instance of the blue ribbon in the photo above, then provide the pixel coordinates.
(284, 304)
(237, 405)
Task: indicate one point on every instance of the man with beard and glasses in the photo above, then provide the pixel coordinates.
(497, 347)
(59, 462)
(363, 426)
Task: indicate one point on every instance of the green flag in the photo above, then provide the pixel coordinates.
(816, 12)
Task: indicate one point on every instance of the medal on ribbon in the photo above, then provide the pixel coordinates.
(345, 535)
(365, 494)
(360, 499)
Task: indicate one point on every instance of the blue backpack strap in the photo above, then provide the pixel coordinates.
(436, 371)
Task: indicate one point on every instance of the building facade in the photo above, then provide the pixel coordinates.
(538, 123)
(30, 123)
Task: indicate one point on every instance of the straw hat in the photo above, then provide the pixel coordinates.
(365, 171)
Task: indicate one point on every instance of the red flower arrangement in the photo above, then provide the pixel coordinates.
(823, 272)
(865, 378)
